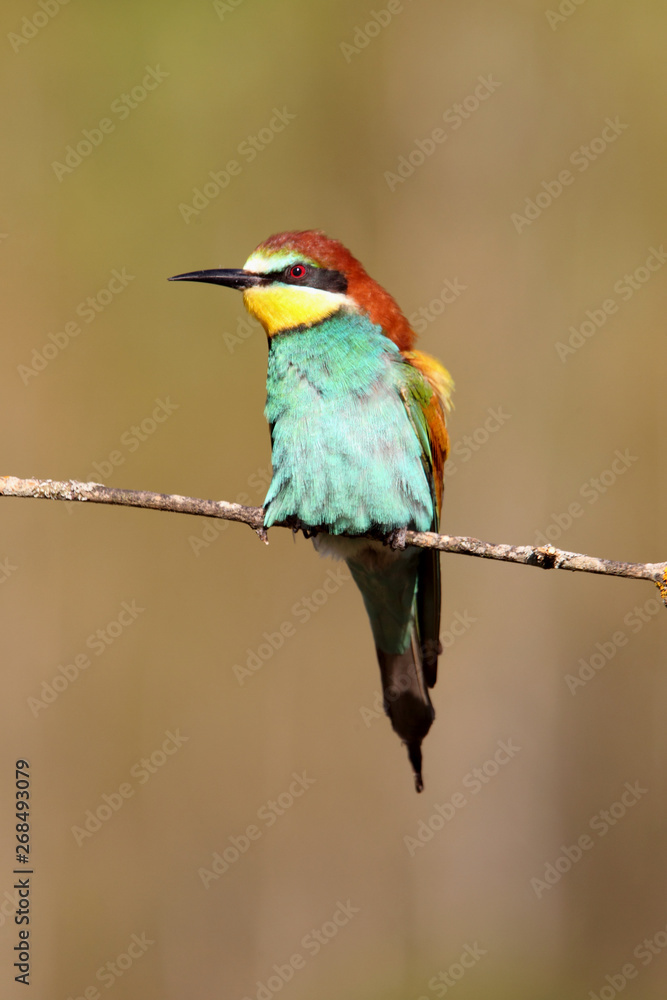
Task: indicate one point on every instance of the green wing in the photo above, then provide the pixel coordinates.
(426, 411)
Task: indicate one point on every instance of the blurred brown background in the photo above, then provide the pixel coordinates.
(360, 99)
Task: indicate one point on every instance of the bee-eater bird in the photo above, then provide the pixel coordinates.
(359, 442)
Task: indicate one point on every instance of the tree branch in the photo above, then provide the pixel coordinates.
(546, 557)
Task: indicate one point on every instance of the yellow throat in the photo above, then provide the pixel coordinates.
(282, 307)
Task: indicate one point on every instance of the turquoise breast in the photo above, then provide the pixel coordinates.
(345, 453)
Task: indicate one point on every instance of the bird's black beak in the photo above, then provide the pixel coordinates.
(231, 278)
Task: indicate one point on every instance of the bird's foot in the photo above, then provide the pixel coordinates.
(297, 525)
(306, 530)
(396, 539)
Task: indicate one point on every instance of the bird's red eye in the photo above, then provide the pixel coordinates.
(297, 271)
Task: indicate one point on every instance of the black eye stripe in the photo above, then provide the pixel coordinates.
(314, 277)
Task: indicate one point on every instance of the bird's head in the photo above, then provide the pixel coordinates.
(297, 279)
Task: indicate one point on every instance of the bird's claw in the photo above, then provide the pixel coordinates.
(305, 530)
